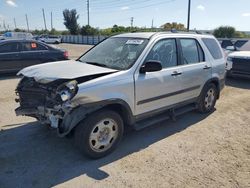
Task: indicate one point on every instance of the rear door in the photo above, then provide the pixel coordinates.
(33, 53)
(10, 57)
(195, 69)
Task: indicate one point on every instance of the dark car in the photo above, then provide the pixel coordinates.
(17, 54)
(225, 43)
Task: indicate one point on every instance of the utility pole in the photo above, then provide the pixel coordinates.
(51, 20)
(152, 26)
(27, 22)
(132, 22)
(88, 10)
(4, 26)
(15, 23)
(44, 20)
(188, 20)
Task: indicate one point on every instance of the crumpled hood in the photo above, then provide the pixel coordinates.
(69, 69)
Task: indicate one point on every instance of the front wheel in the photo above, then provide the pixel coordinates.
(208, 98)
(99, 134)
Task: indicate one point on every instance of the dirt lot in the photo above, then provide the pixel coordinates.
(195, 151)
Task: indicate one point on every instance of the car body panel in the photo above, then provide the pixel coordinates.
(69, 69)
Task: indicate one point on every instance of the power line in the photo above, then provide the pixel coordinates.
(140, 7)
(118, 4)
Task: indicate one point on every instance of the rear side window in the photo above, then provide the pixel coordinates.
(8, 48)
(191, 51)
(213, 47)
(33, 46)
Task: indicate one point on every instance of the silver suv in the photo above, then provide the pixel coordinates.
(135, 79)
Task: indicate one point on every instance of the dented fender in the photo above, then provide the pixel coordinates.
(73, 118)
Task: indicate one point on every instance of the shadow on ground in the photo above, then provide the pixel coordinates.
(238, 83)
(32, 155)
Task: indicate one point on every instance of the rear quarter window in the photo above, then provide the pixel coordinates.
(213, 47)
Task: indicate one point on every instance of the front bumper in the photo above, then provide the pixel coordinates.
(238, 74)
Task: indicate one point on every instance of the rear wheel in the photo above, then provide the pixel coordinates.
(99, 134)
(208, 98)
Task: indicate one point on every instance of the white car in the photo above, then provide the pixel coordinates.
(17, 35)
(238, 64)
(50, 39)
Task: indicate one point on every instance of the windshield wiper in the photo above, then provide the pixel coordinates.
(97, 64)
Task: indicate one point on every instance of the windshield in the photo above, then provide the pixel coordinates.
(117, 53)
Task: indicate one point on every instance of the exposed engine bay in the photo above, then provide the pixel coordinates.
(49, 103)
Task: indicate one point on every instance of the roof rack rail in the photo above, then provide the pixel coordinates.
(186, 32)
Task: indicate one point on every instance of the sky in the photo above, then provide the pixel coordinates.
(205, 14)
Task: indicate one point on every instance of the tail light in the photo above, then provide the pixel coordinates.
(66, 54)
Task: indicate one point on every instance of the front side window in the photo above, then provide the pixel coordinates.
(191, 51)
(165, 52)
(9, 48)
(117, 53)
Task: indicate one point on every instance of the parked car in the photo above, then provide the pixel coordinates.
(1, 37)
(17, 35)
(18, 54)
(225, 43)
(134, 79)
(239, 43)
(238, 64)
(52, 39)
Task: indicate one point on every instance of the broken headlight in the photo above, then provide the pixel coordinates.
(67, 90)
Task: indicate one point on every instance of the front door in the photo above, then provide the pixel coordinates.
(10, 57)
(155, 90)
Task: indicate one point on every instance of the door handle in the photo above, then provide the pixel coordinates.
(207, 67)
(176, 73)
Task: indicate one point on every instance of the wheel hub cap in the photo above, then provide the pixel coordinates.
(103, 135)
(209, 99)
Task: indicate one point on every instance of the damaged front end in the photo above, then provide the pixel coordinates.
(49, 102)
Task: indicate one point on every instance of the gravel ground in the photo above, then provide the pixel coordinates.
(197, 150)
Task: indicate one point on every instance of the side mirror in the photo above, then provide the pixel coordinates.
(230, 48)
(151, 66)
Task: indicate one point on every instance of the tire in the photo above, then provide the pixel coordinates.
(99, 134)
(208, 98)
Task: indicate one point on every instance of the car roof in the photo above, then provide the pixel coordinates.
(19, 40)
(148, 35)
